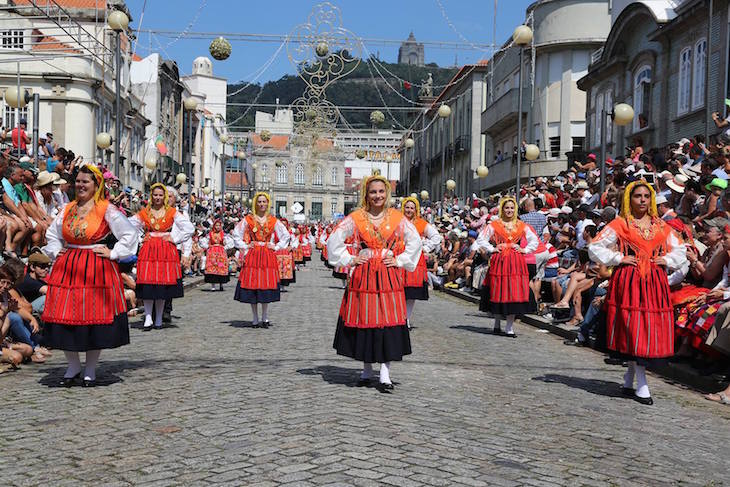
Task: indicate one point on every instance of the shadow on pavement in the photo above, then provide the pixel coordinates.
(485, 330)
(107, 373)
(594, 386)
(239, 324)
(334, 375)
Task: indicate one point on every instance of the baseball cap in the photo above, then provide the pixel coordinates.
(38, 258)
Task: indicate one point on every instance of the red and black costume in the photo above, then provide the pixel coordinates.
(216, 258)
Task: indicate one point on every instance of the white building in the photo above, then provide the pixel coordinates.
(73, 74)
(280, 123)
(380, 150)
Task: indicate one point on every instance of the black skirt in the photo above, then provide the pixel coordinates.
(82, 338)
(217, 278)
(339, 275)
(503, 309)
(160, 291)
(254, 296)
(372, 345)
(417, 293)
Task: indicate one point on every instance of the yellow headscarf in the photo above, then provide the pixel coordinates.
(364, 189)
(256, 198)
(502, 202)
(626, 205)
(101, 189)
(167, 196)
(415, 202)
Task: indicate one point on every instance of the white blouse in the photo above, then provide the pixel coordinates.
(604, 250)
(182, 228)
(484, 240)
(338, 255)
(228, 243)
(724, 284)
(279, 229)
(431, 239)
(123, 231)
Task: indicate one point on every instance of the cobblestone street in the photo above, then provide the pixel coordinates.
(212, 401)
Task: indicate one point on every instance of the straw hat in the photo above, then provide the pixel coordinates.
(44, 179)
(677, 184)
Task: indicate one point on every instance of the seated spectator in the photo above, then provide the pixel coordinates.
(33, 287)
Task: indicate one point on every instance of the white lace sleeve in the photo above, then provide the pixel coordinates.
(282, 234)
(483, 240)
(603, 248)
(238, 232)
(677, 254)
(228, 243)
(532, 242)
(337, 253)
(182, 228)
(54, 237)
(124, 231)
(431, 239)
(410, 256)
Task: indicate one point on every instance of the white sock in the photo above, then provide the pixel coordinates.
(497, 323)
(410, 303)
(74, 364)
(344, 283)
(264, 311)
(629, 375)
(159, 308)
(148, 304)
(255, 311)
(212, 287)
(509, 329)
(385, 373)
(92, 358)
(367, 371)
(642, 387)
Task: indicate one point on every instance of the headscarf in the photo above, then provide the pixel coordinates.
(256, 198)
(364, 189)
(413, 200)
(504, 201)
(99, 177)
(167, 195)
(626, 206)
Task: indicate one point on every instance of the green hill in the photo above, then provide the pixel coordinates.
(356, 89)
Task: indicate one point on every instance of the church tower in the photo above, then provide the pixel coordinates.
(411, 52)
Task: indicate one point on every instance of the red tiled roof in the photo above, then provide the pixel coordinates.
(136, 57)
(233, 179)
(49, 43)
(276, 141)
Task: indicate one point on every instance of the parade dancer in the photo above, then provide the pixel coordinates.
(372, 320)
(342, 272)
(216, 258)
(159, 274)
(506, 290)
(416, 286)
(285, 259)
(639, 313)
(85, 310)
(259, 279)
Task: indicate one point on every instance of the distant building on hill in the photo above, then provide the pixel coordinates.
(411, 52)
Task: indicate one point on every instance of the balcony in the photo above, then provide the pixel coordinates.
(503, 112)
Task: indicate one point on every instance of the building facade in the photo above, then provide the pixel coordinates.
(565, 32)
(656, 59)
(411, 52)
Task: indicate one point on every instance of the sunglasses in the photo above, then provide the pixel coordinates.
(42, 266)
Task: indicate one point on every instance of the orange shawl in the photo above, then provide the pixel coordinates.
(645, 249)
(381, 237)
(152, 224)
(87, 230)
(256, 232)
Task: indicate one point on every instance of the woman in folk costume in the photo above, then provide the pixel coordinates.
(285, 259)
(639, 316)
(159, 275)
(323, 240)
(296, 244)
(342, 272)
(216, 258)
(417, 281)
(306, 243)
(85, 309)
(372, 321)
(506, 290)
(259, 279)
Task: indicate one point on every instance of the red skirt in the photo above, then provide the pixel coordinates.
(508, 278)
(639, 316)
(419, 276)
(216, 261)
(298, 254)
(158, 263)
(374, 296)
(307, 250)
(84, 289)
(260, 269)
(285, 262)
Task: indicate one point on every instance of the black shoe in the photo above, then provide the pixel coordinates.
(385, 388)
(575, 343)
(89, 383)
(497, 331)
(363, 382)
(167, 317)
(266, 324)
(628, 391)
(255, 325)
(648, 401)
(612, 361)
(70, 381)
(510, 335)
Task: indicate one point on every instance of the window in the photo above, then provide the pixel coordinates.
(334, 175)
(280, 208)
(555, 146)
(608, 103)
(316, 213)
(553, 133)
(9, 118)
(700, 65)
(12, 39)
(642, 97)
(282, 174)
(599, 118)
(578, 143)
(333, 208)
(264, 173)
(299, 174)
(317, 176)
(683, 88)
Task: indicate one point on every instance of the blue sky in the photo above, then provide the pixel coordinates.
(374, 19)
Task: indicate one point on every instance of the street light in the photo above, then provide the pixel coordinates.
(190, 104)
(118, 22)
(409, 144)
(240, 155)
(522, 36)
(103, 140)
(444, 112)
(223, 139)
(622, 114)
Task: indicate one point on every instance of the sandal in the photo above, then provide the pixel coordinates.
(722, 398)
(38, 358)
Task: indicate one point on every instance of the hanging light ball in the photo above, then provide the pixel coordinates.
(223, 138)
(522, 35)
(151, 162)
(236, 198)
(450, 184)
(118, 21)
(377, 117)
(424, 195)
(623, 114)
(532, 152)
(190, 104)
(103, 140)
(240, 155)
(414, 195)
(220, 48)
(181, 178)
(322, 49)
(217, 193)
(311, 114)
(482, 171)
(410, 143)
(265, 135)
(444, 110)
(206, 191)
(12, 98)
(360, 154)
(254, 166)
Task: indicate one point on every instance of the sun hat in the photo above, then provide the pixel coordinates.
(717, 183)
(677, 184)
(44, 179)
(660, 199)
